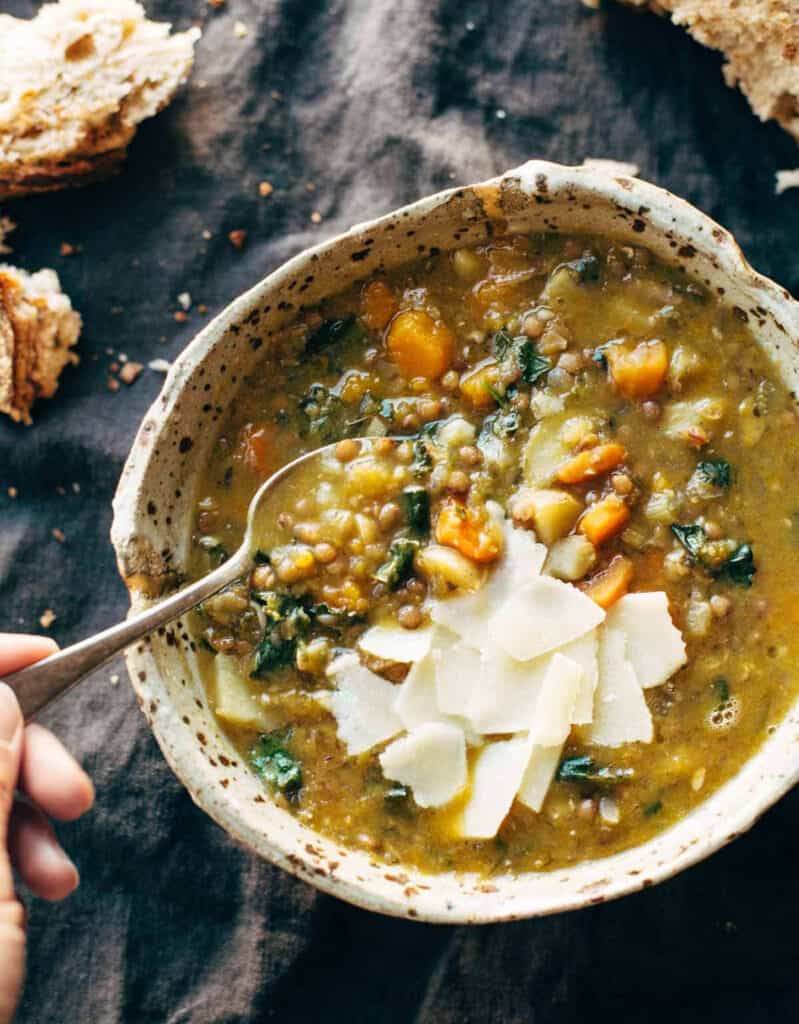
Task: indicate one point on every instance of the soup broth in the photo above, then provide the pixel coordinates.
(546, 390)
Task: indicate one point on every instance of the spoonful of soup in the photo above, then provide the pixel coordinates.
(39, 685)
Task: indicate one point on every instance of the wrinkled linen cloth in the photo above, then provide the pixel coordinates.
(348, 109)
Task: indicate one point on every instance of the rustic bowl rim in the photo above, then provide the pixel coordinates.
(543, 182)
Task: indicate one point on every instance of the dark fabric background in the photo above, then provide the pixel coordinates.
(375, 103)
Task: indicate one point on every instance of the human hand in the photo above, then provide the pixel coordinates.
(38, 778)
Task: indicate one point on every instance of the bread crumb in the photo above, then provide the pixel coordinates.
(113, 679)
(112, 384)
(316, 217)
(266, 188)
(130, 371)
(786, 180)
(310, 187)
(184, 300)
(76, 488)
(216, 4)
(604, 166)
(47, 618)
(160, 365)
(7, 225)
(202, 309)
(12, 492)
(59, 535)
(206, 234)
(240, 30)
(592, 4)
(66, 249)
(237, 238)
(181, 316)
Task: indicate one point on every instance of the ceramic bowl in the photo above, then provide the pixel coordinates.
(153, 525)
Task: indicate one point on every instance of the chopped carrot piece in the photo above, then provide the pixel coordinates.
(591, 463)
(258, 449)
(604, 519)
(611, 583)
(640, 372)
(420, 345)
(378, 304)
(477, 386)
(468, 531)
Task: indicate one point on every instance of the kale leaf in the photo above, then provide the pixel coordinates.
(422, 460)
(325, 415)
(399, 564)
(692, 537)
(273, 762)
(416, 505)
(585, 269)
(585, 769)
(523, 352)
(349, 329)
(739, 568)
(717, 472)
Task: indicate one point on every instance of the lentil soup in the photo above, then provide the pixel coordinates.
(554, 426)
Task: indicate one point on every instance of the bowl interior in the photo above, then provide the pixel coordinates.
(154, 514)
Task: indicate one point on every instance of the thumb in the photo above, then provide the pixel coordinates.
(12, 934)
(11, 726)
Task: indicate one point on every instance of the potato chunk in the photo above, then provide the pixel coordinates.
(571, 558)
(551, 513)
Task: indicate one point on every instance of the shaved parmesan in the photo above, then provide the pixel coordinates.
(431, 760)
(655, 647)
(457, 678)
(620, 711)
(538, 777)
(542, 616)
(393, 643)
(468, 615)
(415, 700)
(555, 706)
(584, 652)
(496, 777)
(506, 698)
(362, 704)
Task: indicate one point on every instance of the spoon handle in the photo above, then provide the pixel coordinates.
(47, 680)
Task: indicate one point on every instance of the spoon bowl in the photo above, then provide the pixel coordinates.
(39, 685)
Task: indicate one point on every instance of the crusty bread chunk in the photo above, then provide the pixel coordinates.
(75, 82)
(38, 328)
(760, 40)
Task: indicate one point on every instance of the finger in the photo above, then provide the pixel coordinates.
(20, 649)
(37, 855)
(10, 752)
(12, 962)
(52, 778)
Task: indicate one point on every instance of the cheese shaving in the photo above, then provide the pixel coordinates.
(655, 647)
(393, 643)
(497, 774)
(620, 711)
(542, 616)
(362, 704)
(431, 760)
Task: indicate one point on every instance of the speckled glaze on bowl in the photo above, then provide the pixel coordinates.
(153, 517)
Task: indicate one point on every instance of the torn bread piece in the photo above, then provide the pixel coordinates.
(38, 328)
(75, 83)
(760, 41)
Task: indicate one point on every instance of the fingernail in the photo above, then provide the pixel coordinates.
(10, 715)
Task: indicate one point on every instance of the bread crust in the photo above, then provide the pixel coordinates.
(38, 328)
(760, 41)
(51, 177)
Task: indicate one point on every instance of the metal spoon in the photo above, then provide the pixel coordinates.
(39, 685)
